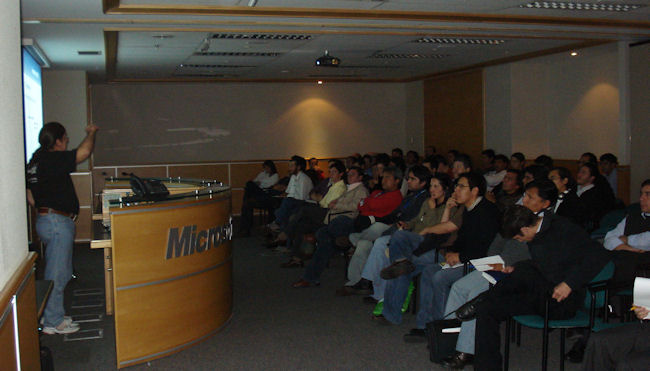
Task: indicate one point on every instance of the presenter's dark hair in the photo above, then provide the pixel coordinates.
(271, 165)
(421, 173)
(546, 189)
(300, 161)
(564, 173)
(515, 218)
(475, 180)
(47, 137)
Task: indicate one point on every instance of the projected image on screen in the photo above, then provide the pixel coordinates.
(32, 103)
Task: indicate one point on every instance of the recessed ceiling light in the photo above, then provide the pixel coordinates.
(598, 6)
(573, 54)
(320, 82)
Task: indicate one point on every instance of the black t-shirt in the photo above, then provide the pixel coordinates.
(50, 182)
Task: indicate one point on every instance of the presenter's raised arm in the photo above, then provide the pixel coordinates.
(88, 144)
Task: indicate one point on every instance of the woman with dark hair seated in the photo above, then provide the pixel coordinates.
(256, 194)
(567, 204)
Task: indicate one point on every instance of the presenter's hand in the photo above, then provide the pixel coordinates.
(561, 291)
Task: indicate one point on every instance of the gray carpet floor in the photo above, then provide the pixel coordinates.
(276, 327)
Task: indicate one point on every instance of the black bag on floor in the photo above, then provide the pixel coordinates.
(442, 344)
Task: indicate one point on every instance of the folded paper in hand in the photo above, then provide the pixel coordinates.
(642, 293)
(483, 264)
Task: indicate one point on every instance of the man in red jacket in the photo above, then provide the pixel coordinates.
(378, 204)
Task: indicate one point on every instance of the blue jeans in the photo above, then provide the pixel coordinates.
(377, 260)
(462, 291)
(57, 233)
(434, 288)
(401, 245)
(325, 237)
(287, 207)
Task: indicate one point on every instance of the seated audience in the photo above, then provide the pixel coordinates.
(378, 204)
(443, 165)
(257, 195)
(487, 161)
(479, 226)
(564, 259)
(540, 197)
(608, 164)
(296, 193)
(314, 172)
(397, 153)
(595, 199)
(495, 176)
(313, 212)
(630, 240)
(412, 158)
(366, 280)
(374, 183)
(544, 160)
(418, 182)
(430, 163)
(312, 218)
(620, 348)
(462, 164)
(587, 157)
(534, 172)
(567, 204)
(518, 161)
(429, 151)
(509, 191)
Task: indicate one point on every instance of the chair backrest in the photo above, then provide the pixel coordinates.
(605, 274)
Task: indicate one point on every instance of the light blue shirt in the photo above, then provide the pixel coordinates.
(639, 241)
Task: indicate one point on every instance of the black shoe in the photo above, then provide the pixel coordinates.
(363, 287)
(370, 300)
(458, 361)
(467, 311)
(381, 320)
(577, 352)
(416, 335)
(397, 269)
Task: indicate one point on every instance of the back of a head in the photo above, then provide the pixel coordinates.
(590, 157)
(488, 153)
(515, 218)
(609, 157)
(545, 161)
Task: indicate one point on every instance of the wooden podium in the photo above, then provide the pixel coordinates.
(169, 268)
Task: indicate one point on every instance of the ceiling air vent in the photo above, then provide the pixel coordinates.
(458, 41)
(596, 6)
(238, 54)
(213, 66)
(262, 36)
(408, 56)
(89, 52)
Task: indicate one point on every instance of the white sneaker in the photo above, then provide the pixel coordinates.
(63, 328)
(66, 319)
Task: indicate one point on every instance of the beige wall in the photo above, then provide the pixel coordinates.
(64, 100)
(13, 226)
(414, 125)
(558, 105)
(172, 123)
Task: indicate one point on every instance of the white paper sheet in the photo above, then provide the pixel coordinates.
(642, 293)
(483, 264)
(447, 266)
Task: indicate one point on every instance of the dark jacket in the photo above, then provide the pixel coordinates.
(480, 225)
(408, 209)
(570, 208)
(563, 252)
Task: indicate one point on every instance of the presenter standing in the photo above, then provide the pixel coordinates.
(51, 192)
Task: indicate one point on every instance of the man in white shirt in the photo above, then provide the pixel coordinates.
(494, 177)
(296, 193)
(630, 240)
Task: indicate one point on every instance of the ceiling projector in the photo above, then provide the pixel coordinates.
(327, 61)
